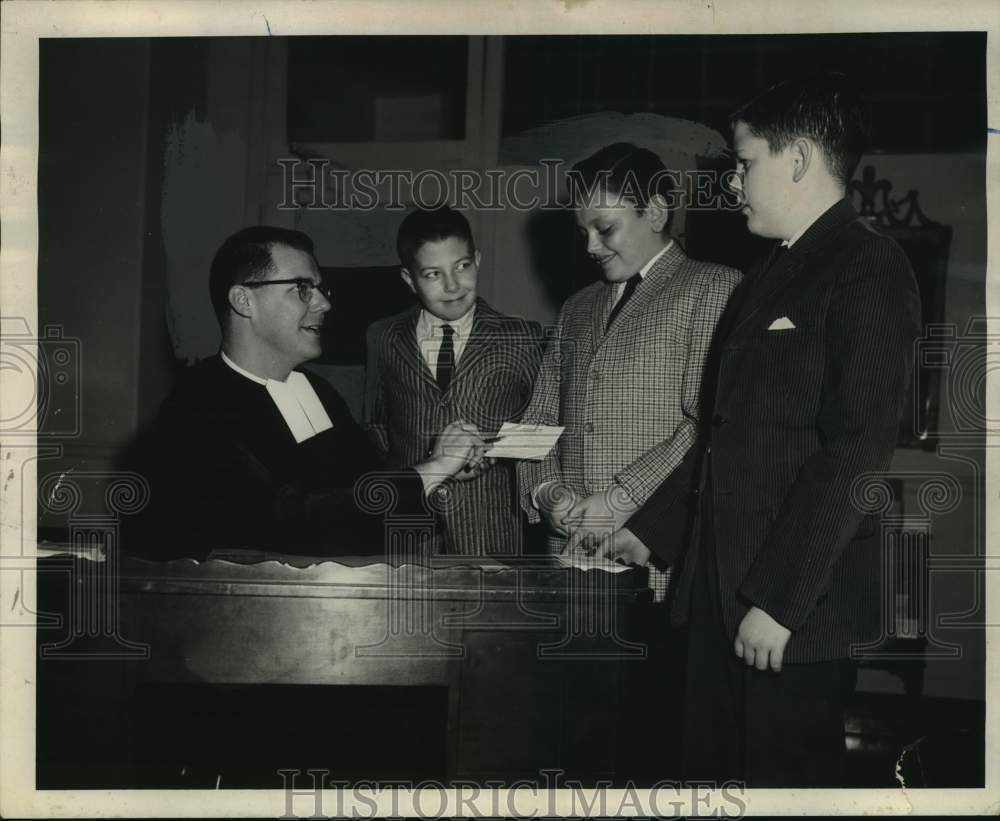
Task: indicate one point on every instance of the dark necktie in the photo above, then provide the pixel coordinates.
(738, 299)
(630, 286)
(776, 254)
(752, 283)
(446, 358)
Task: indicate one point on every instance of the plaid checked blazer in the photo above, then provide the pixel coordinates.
(629, 397)
(405, 410)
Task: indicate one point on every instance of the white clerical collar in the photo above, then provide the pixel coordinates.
(251, 376)
(295, 399)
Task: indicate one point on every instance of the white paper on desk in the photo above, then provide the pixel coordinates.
(518, 441)
(582, 561)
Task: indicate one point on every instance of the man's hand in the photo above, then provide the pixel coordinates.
(622, 545)
(760, 640)
(459, 447)
(555, 500)
(471, 472)
(597, 516)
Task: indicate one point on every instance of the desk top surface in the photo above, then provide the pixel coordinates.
(255, 573)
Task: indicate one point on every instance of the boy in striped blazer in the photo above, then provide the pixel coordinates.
(451, 357)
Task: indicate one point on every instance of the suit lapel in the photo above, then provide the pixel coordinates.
(657, 278)
(768, 283)
(600, 310)
(485, 325)
(403, 340)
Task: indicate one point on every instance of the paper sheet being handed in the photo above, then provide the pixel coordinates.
(517, 441)
(581, 561)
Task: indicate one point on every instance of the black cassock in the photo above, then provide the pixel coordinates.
(226, 472)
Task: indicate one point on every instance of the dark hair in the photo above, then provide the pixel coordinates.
(623, 169)
(822, 107)
(245, 257)
(430, 225)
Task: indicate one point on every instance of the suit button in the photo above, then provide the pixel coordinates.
(718, 420)
(589, 427)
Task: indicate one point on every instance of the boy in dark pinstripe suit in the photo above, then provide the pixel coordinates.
(801, 406)
(451, 357)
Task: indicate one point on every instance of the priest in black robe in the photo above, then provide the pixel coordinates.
(250, 451)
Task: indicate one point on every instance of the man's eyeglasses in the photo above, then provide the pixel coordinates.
(305, 287)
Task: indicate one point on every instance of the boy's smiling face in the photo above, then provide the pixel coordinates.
(620, 238)
(445, 277)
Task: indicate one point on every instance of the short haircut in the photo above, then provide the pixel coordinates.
(246, 257)
(825, 108)
(621, 169)
(430, 225)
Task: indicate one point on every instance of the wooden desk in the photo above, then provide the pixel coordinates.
(532, 653)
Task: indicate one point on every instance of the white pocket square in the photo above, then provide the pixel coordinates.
(781, 324)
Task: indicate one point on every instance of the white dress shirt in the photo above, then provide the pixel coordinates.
(788, 243)
(429, 336)
(620, 286)
(295, 399)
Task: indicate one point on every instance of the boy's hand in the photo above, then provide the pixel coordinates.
(623, 545)
(597, 516)
(554, 501)
(760, 640)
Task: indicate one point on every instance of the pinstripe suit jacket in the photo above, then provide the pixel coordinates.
(795, 420)
(405, 410)
(629, 397)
